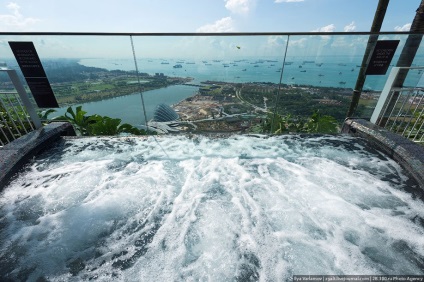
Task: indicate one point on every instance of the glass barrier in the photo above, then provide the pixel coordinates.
(241, 83)
(374, 84)
(228, 83)
(319, 75)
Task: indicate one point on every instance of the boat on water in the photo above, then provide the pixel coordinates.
(308, 62)
(244, 70)
(342, 82)
(165, 63)
(288, 63)
(319, 64)
(303, 71)
(177, 66)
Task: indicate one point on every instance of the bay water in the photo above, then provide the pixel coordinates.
(335, 72)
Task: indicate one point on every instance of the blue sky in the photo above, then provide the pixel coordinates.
(201, 15)
(198, 16)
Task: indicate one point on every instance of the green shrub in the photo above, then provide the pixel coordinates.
(96, 125)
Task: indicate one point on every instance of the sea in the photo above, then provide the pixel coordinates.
(336, 71)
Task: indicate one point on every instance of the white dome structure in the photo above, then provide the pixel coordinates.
(164, 113)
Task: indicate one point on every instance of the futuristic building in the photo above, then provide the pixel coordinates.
(164, 113)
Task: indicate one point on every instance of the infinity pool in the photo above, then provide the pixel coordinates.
(181, 208)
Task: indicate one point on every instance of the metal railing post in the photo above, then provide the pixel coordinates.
(378, 110)
(395, 107)
(24, 97)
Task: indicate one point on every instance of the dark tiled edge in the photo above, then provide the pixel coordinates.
(15, 154)
(408, 154)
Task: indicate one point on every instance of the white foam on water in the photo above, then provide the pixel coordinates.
(187, 209)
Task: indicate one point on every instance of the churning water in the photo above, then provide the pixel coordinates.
(196, 208)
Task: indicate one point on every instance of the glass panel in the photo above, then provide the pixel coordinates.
(95, 72)
(374, 84)
(214, 83)
(86, 71)
(319, 75)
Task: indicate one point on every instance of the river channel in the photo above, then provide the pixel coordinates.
(129, 108)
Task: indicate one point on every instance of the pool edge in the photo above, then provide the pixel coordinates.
(15, 154)
(405, 152)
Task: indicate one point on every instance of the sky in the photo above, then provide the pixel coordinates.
(201, 15)
(197, 16)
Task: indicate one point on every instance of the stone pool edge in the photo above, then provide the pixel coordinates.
(15, 154)
(405, 152)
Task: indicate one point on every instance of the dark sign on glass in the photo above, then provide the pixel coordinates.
(34, 74)
(381, 57)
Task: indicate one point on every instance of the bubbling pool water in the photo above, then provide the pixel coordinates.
(218, 209)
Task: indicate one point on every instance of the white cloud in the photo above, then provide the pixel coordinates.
(281, 41)
(15, 20)
(240, 6)
(287, 1)
(299, 43)
(222, 25)
(327, 28)
(277, 40)
(405, 27)
(350, 27)
(13, 6)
